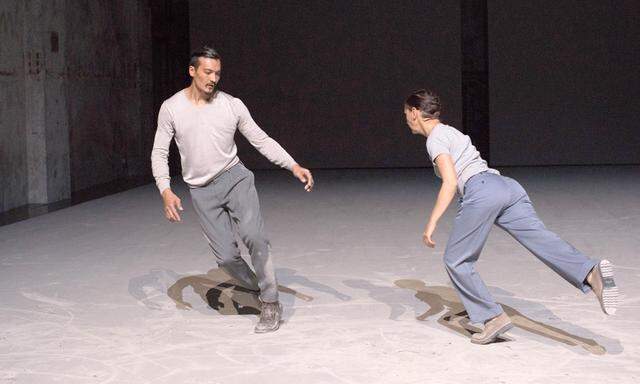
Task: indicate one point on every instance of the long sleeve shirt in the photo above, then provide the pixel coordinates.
(204, 135)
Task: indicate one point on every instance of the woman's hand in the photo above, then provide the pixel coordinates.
(428, 233)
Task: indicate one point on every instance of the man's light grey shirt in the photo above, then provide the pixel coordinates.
(204, 135)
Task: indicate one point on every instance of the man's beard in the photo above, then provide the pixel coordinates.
(210, 88)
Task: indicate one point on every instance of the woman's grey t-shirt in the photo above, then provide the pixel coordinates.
(466, 158)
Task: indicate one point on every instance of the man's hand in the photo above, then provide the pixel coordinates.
(172, 205)
(304, 175)
(426, 236)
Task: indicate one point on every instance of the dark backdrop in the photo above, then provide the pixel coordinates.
(564, 82)
(327, 79)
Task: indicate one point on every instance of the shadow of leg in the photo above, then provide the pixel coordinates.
(552, 333)
(229, 299)
(295, 293)
(440, 297)
(219, 291)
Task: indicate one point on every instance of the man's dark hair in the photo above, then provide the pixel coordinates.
(427, 102)
(206, 52)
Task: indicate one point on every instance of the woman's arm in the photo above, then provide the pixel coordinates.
(447, 191)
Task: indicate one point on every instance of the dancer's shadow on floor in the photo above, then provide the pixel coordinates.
(151, 289)
(441, 298)
(381, 293)
(291, 276)
(222, 293)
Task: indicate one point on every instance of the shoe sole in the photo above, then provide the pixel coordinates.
(610, 294)
(494, 336)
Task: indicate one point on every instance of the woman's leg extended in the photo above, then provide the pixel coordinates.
(521, 221)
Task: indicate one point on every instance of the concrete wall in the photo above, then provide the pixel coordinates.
(45, 102)
(109, 90)
(76, 97)
(13, 157)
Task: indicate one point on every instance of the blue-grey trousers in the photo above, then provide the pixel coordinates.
(230, 203)
(489, 198)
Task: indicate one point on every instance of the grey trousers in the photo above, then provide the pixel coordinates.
(228, 203)
(489, 198)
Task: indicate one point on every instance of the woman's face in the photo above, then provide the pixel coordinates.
(411, 115)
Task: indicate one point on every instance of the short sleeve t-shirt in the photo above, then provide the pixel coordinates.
(466, 158)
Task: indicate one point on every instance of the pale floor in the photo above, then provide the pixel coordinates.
(109, 292)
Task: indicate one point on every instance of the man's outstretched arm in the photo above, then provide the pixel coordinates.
(268, 147)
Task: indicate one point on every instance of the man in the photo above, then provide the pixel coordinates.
(203, 122)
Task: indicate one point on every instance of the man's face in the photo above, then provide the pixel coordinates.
(207, 75)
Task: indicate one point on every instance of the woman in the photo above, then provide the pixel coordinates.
(488, 198)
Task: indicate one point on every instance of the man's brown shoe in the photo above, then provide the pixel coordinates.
(492, 329)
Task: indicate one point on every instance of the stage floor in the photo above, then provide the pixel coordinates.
(108, 291)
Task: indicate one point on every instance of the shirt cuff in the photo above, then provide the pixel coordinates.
(163, 184)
